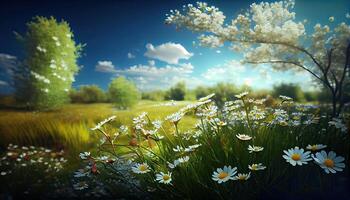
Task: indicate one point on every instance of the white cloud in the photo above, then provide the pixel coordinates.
(228, 72)
(168, 52)
(218, 51)
(131, 56)
(151, 62)
(3, 83)
(105, 66)
(8, 63)
(149, 77)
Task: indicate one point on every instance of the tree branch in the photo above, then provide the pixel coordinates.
(287, 62)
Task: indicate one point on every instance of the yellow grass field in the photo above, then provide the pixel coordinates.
(70, 127)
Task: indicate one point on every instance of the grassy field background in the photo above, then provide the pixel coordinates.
(69, 127)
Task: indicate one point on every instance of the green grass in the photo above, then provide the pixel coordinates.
(220, 147)
(70, 127)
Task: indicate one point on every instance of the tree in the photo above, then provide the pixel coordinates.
(123, 93)
(268, 33)
(177, 92)
(291, 90)
(88, 94)
(50, 64)
(224, 92)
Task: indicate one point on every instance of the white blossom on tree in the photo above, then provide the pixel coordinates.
(268, 33)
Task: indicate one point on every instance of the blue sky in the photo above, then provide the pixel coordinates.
(117, 32)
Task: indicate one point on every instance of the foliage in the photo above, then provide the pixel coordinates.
(157, 95)
(177, 92)
(269, 33)
(178, 163)
(123, 93)
(88, 94)
(50, 65)
(291, 90)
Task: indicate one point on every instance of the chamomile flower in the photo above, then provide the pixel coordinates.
(253, 148)
(164, 177)
(240, 96)
(256, 167)
(297, 156)
(242, 177)
(140, 168)
(329, 162)
(243, 137)
(225, 174)
(84, 155)
(315, 147)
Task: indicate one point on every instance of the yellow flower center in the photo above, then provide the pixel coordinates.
(143, 167)
(242, 178)
(329, 163)
(313, 148)
(166, 177)
(296, 157)
(222, 175)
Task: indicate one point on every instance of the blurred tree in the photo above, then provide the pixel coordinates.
(123, 93)
(176, 92)
(201, 91)
(46, 75)
(157, 95)
(269, 33)
(88, 94)
(290, 90)
(224, 92)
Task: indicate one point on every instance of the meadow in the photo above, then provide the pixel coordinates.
(68, 130)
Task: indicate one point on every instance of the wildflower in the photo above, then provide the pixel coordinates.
(157, 124)
(175, 117)
(100, 124)
(243, 137)
(253, 148)
(222, 123)
(286, 98)
(256, 167)
(315, 147)
(80, 185)
(55, 38)
(178, 148)
(225, 174)
(84, 155)
(338, 124)
(329, 162)
(140, 168)
(206, 97)
(80, 173)
(192, 147)
(242, 177)
(164, 177)
(331, 19)
(297, 156)
(240, 96)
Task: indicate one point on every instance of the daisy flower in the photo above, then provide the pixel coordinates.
(253, 148)
(243, 137)
(242, 177)
(315, 147)
(240, 96)
(297, 156)
(140, 168)
(225, 174)
(164, 177)
(84, 155)
(256, 167)
(329, 162)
